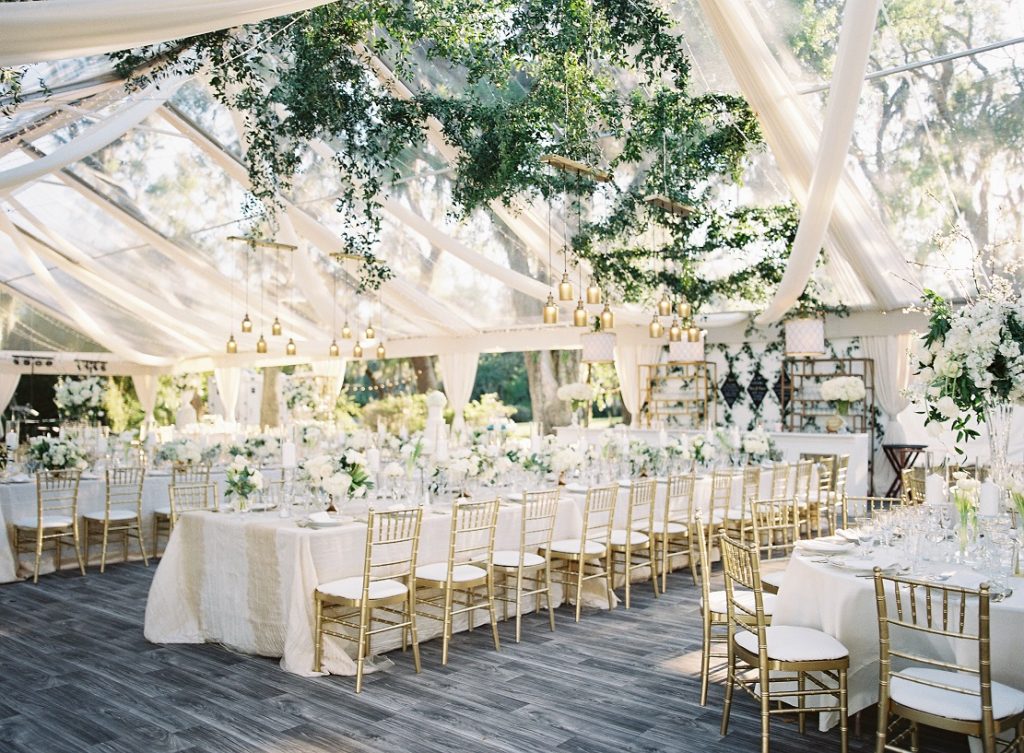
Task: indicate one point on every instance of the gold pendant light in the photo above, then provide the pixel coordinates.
(334, 351)
(346, 331)
(656, 328)
(579, 316)
(371, 334)
(261, 345)
(607, 318)
(693, 333)
(290, 348)
(381, 353)
(565, 288)
(232, 345)
(246, 324)
(675, 332)
(357, 351)
(593, 292)
(550, 310)
(685, 309)
(664, 306)
(275, 328)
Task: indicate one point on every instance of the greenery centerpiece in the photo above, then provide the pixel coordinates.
(179, 451)
(339, 476)
(53, 454)
(243, 481)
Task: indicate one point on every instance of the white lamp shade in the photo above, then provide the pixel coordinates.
(805, 337)
(598, 347)
(685, 351)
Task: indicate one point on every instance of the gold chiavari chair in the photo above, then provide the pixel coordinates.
(761, 657)
(526, 568)
(384, 595)
(588, 557)
(122, 513)
(957, 696)
(183, 497)
(632, 544)
(780, 480)
(802, 492)
(672, 534)
(56, 519)
(722, 481)
(714, 611)
(737, 520)
(914, 488)
(774, 531)
(468, 569)
(821, 497)
(836, 512)
(862, 508)
(190, 473)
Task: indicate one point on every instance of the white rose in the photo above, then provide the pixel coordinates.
(947, 407)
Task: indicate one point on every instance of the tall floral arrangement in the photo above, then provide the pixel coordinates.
(578, 394)
(843, 390)
(80, 399)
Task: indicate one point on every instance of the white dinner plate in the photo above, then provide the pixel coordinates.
(20, 478)
(825, 546)
(158, 472)
(862, 565)
(332, 523)
(576, 488)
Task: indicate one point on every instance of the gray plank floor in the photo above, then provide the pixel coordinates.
(77, 675)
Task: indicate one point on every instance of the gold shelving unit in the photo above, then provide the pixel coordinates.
(679, 394)
(804, 410)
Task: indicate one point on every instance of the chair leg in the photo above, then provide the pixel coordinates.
(652, 557)
(156, 535)
(705, 657)
(730, 681)
(103, 551)
(801, 684)
(844, 733)
(447, 625)
(78, 547)
(664, 563)
(411, 619)
(318, 637)
(39, 554)
(766, 717)
(988, 740)
(364, 624)
(519, 603)
(626, 568)
(142, 543)
(547, 595)
(609, 576)
(579, 587)
(494, 612)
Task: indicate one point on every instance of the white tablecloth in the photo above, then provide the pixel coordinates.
(824, 597)
(247, 581)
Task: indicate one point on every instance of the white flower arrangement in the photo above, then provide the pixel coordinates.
(79, 399)
(243, 479)
(52, 454)
(393, 470)
(576, 393)
(310, 435)
(843, 389)
(300, 394)
(179, 451)
(757, 444)
(703, 450)
(337, 475)
(566, 459)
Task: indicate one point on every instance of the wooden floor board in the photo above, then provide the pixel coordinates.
(77, 675)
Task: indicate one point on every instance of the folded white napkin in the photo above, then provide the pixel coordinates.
(320, 517)
(575, 487)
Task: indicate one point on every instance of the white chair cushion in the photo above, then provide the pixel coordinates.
(49, 521)
(618, 537)
(659, 527)
(1006, 701)
(716, 600)
(789, 643)
(165, 510)
(460, 573)
(352, 588)
(510, 558)
(114, 515)
(572, 546)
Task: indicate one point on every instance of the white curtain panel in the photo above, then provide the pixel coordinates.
(58, 29)
(458, 371)
(333, 369)
(892, 375)
(229, 381)
(8, 384)
(145, 388)
(628, 359)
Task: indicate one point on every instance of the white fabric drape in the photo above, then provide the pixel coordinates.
(892, 375)
(458, 370)
(333, 369)
(58, 29)
(8, 384)
(628, 360)
(229, 381)
(145, 389)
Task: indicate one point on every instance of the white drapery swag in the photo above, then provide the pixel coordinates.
(333, 369)
(145, 389)
(458, 370)
(892, 375)
(229, 381)
(8, 384)
(59, 29)
(628, 359)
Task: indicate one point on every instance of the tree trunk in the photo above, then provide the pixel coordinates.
(426, 376)
(269, 409)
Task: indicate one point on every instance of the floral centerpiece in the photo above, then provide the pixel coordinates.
(243, 480)
(183, 451)
(79, 399)
(52, 454)
(757, 445)
(579, 395)
(703, 450)
(300, 395)
(966, 493)
(342, 475)
(566, 460)
(843, 390)
(260, 449)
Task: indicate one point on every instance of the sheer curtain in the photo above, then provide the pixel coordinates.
(628, 359)
(458, 370)
(8, 384)
(892, 375)
(333, 369)
(229, 381)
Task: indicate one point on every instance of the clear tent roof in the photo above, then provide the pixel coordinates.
(113, 229)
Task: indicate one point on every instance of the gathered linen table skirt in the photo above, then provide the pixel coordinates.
(246, 580)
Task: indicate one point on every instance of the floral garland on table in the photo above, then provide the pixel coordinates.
(80, 399)
(179, 451)
(243, 480)
(757, 445)
(843, 390)
(52, 454)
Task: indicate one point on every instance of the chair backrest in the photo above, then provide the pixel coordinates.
(190, 473)
(679, 500)
(640, 513)
(913, 615)
(721, 494)
(472, 533)
(185, 497)
(392, 543)
(57, 492)
(802, 479)
(751, 483)
(599, 513)
(741, 567)
(913, 485)
(124, 487)
(842, 468)
(703, 559)
(780, 479)
(538, 519)
(775, 527)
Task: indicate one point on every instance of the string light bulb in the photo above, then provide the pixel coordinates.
(290, 348)
(381, 353)
(656, 329)
(565, 288)
(607, 318)
(664, 306)
(275, 328)
(246, 323)
(346, 331)
(334, 351)
(675, 332)
(550, 310)
(232, 345)
(357, 351)
(579, 315)
(593, 292)
(685, 309)
(261, 345)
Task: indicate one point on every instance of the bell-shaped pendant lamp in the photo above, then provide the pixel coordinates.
(232, 345)
(261, 345)
(579, 315)
(371, 334)
(664, 306)
(346, 331)
(593, 293)
(565, 288)
(675, 332)
(290, 348)
(607, 318)
(357, 351)
(381, 353)
(246, 324)
(656, 329)
(275, 328)
(551, 310)
(334, 351)
(685, 309)
(693, 333)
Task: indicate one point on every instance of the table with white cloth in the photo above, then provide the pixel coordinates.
(246, 580)
(819, 595)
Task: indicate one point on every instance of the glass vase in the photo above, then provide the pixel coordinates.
(998, 418)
